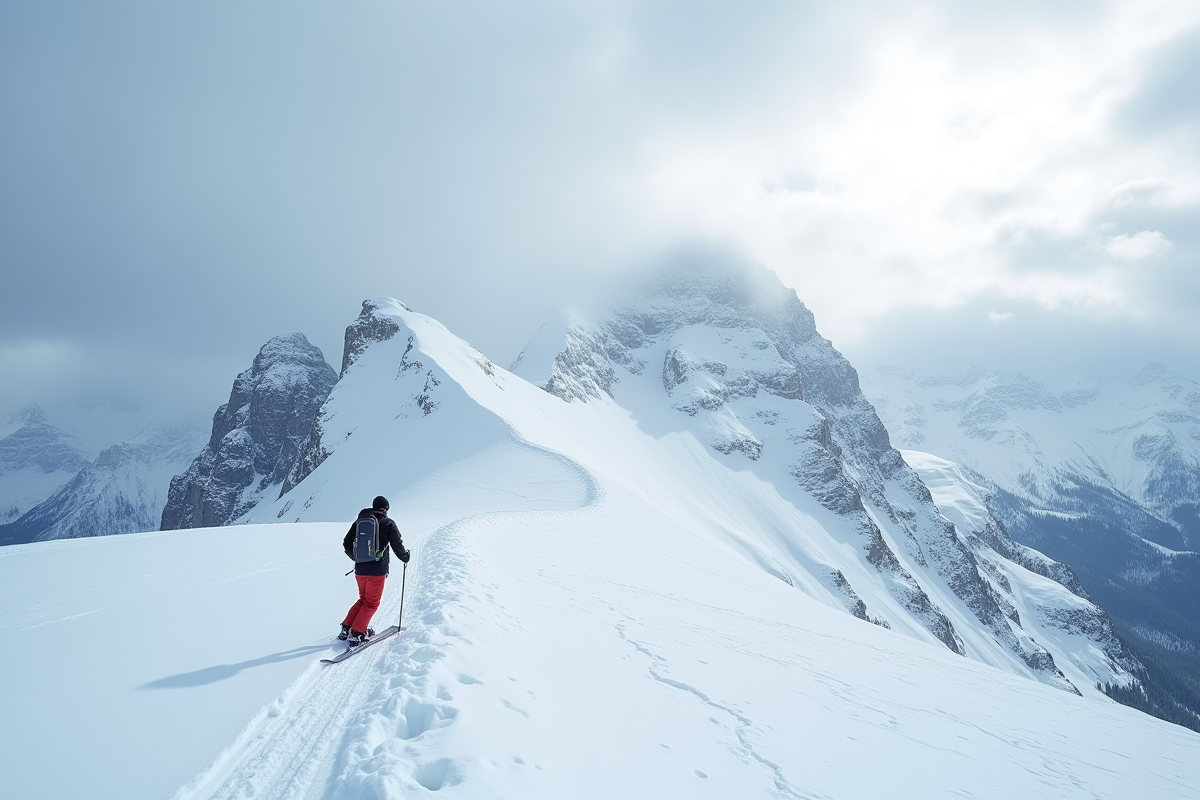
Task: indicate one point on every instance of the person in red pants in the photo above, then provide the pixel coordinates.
(371, 575)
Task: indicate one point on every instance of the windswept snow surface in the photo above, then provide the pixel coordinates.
(130, 660)
(592, 611)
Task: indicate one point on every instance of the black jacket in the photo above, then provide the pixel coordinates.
(389, 534)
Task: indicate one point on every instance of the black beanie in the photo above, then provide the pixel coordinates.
(381, 503)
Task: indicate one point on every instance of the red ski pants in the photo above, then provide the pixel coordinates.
(370, 592)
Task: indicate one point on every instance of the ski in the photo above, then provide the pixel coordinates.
(386, 633)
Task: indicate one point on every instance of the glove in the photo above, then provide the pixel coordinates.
(405, 556)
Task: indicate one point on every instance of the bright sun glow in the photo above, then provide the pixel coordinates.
(924, 187)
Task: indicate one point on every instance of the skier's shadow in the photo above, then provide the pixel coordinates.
(221, 672)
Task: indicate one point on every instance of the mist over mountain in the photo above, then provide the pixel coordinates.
(122, 491)
(35, 459)
(76, 481)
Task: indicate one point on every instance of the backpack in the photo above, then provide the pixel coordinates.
(366, 540)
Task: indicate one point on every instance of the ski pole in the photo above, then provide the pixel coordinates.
(403, 577)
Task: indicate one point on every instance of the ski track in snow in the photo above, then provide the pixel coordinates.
(743, 723)
(348, 730)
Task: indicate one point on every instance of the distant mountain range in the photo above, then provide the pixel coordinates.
(1104, 476)
(36, 458)
(54, 491)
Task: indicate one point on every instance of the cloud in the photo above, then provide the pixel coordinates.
(196, 180)
(997, 317)
(1138, 246)
(1166, 102)
(1049, 344)
(958, 145)
(1155, 192)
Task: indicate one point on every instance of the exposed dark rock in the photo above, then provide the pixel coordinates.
(584, 368)
(854, 603)
(363, 331)
(257, 436)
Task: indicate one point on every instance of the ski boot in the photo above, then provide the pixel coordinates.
(357, 638)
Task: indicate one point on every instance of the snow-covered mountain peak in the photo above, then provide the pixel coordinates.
(29, 427)
(375, 323)
(289, 349)
(1153, 373)
(574, 357)
(384, 306)
(397, 364)
(31, 414)
(1140, 436)
(385, 320)
(256, 436)
(36, 458)
(720, 292)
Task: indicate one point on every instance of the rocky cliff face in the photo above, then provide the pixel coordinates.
(1040, 590)
(36, 458)
(737, 357)
(256, 436)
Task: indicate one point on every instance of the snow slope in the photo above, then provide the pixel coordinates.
(597, 607)
(552, 651)
(131, 660)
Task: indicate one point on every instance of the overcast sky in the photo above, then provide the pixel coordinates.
(1010, 184)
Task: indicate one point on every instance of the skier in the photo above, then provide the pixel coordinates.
(370, 574)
